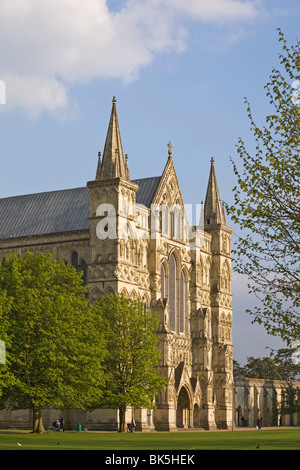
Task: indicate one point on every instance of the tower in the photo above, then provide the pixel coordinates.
(112, 217)
(221, 307)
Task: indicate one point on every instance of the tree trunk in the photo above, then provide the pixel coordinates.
(122, 412)
(38, 426)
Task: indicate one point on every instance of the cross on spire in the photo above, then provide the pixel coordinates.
(170, 149)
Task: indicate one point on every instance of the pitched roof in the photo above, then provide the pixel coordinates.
(147, 190)
(42, 213)
(57, 211)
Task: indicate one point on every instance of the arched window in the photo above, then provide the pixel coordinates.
(172, 292)
(176, 221)
(165, 220)
(83, 268)
(146, 302)
(162, 282)
(181, 303)
(79, 267)
(186, 302)
(179, 223)
(74, 260)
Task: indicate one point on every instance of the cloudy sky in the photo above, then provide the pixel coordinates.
(180, 70)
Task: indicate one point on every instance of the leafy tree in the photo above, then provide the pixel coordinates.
(286, 366)
(133, 360)
(261, 368)
(279, 366)
(267, 202)
(55, 351)
(238, 370)
(290, 401)
(6, 378)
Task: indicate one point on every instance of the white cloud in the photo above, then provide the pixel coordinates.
(48, 45)
(218, 11)
(35, 93)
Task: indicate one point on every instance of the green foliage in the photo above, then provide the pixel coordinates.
(133, 360)
(262, 368)
(6, 378)
(290, 400)
(54, 350)
(279, 366)
(286, 366)
(267, 203)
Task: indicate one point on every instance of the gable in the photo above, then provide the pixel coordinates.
(168, 190)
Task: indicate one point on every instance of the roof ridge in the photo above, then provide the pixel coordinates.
(43, 192)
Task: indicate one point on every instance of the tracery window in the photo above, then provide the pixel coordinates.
(183, 303)
(165, 220)
(175, 289)
(172, 292)
(176, 221)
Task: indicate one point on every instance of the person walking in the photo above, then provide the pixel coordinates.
(258, 423)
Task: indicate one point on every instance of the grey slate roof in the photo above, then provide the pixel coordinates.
(57, 211)
(147, 190)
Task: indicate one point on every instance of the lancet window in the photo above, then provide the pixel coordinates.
(172, 292)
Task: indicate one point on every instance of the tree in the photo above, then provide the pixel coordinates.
(261, 368)
(239, 371)
(267, 203)
(6, 378)
(133, 360)
(290, 401)
(286, 366)
(279, 366)
(55, 350)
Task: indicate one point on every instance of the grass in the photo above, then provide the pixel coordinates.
(267, 439)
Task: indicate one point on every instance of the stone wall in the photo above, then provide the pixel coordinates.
(253, 398)
(103, 419)
(256, 398)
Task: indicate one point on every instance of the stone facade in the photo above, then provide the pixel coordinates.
(133, 237)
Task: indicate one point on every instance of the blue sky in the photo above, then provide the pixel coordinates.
(180, 71)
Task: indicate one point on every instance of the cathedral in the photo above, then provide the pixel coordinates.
(133, 236)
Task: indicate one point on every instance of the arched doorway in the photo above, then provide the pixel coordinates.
(183, 409)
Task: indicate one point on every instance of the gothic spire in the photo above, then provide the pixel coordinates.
(113, 164)
(213, 210)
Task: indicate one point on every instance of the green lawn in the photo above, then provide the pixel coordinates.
(267, 439)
